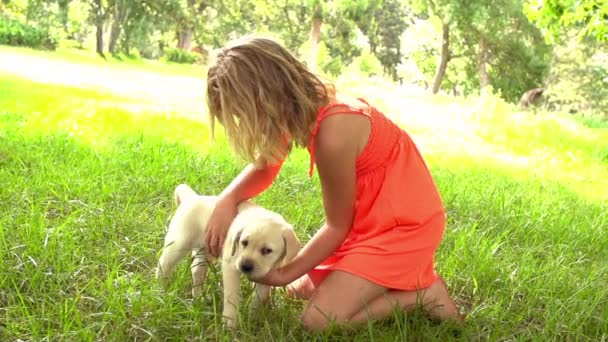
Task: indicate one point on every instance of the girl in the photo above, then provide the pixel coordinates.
(384, 215)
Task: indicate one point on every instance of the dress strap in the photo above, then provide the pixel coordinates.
(323, 113)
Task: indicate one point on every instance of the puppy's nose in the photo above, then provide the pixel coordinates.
(246, 266)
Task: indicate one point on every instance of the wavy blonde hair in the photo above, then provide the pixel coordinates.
(264, 97)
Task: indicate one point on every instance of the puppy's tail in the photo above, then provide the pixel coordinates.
(183, 193)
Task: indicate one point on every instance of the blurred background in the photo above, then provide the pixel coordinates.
(532, 52)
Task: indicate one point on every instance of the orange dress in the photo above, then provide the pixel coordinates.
(399, 216)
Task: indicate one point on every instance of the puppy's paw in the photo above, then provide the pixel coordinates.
(161, 278)
(258, 302)
(197, 292)
(229, 323)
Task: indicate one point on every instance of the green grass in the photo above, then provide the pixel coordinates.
(86, 189)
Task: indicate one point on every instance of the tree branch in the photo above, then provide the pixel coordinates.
(435, 10)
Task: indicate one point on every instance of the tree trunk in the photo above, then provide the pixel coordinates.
(127, 44)
(114, 38)
(315, 33)
(99, 18)
(184, 37)
(121, 13)
(63, 14)
(99, 40)
(484, 78)
(445, 57)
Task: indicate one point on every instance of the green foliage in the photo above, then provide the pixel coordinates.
(420, 52)
(368, 64)
(383, 23)
(15, 9)
(325, 61)
(364, 68)
(16, 33)
(340, 35)
(589, 17)
(578, 82)
(145, 32)
(45, 14)
(520, 62)
(180, 56)
(78, 27)
(517, 56)
(288, 20)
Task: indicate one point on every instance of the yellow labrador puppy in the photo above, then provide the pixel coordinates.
(258, 241)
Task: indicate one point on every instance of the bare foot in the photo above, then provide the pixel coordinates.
(439, 303)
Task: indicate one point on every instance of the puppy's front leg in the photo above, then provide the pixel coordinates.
(262, 292)
(199, 271)
(232, 293)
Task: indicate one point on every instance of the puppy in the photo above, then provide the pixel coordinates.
(257, 241)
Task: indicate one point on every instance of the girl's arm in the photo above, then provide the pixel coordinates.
(253, 181)
(249, 183)
(336, 152)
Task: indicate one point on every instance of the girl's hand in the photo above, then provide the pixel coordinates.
(224, 213)
(276, 277)
(249, 183)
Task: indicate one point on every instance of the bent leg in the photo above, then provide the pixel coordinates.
(434, 299)
(340, 296)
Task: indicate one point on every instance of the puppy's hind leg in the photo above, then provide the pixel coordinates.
(172, 253)
(182, 193)
(199, 272)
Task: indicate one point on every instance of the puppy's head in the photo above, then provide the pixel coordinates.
(262, 244)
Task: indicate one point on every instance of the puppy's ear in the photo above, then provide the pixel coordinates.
(291, 244)
(236, 240)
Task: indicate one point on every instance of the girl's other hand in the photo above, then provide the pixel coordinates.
(224, 213)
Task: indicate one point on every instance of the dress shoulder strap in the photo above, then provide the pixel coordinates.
(324, 112)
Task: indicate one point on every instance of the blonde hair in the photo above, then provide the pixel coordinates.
(264, 97)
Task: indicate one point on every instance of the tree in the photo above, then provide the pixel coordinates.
(121, 9)
(142, 28)
(495, 43)
(78, 26)
(438, 8)
(315, 32)
(383, 22)
(99, 11)
(511, 56)
(187, 17)
(590, 17)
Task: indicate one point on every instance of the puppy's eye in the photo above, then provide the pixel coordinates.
(244, 243)
(266, 251)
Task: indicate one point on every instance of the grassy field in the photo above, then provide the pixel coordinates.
(86, 181)
(71, 54)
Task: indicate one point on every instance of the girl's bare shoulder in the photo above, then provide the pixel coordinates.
(345, 126)
(344, 103)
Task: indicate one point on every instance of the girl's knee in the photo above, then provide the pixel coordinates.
(314, 319)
